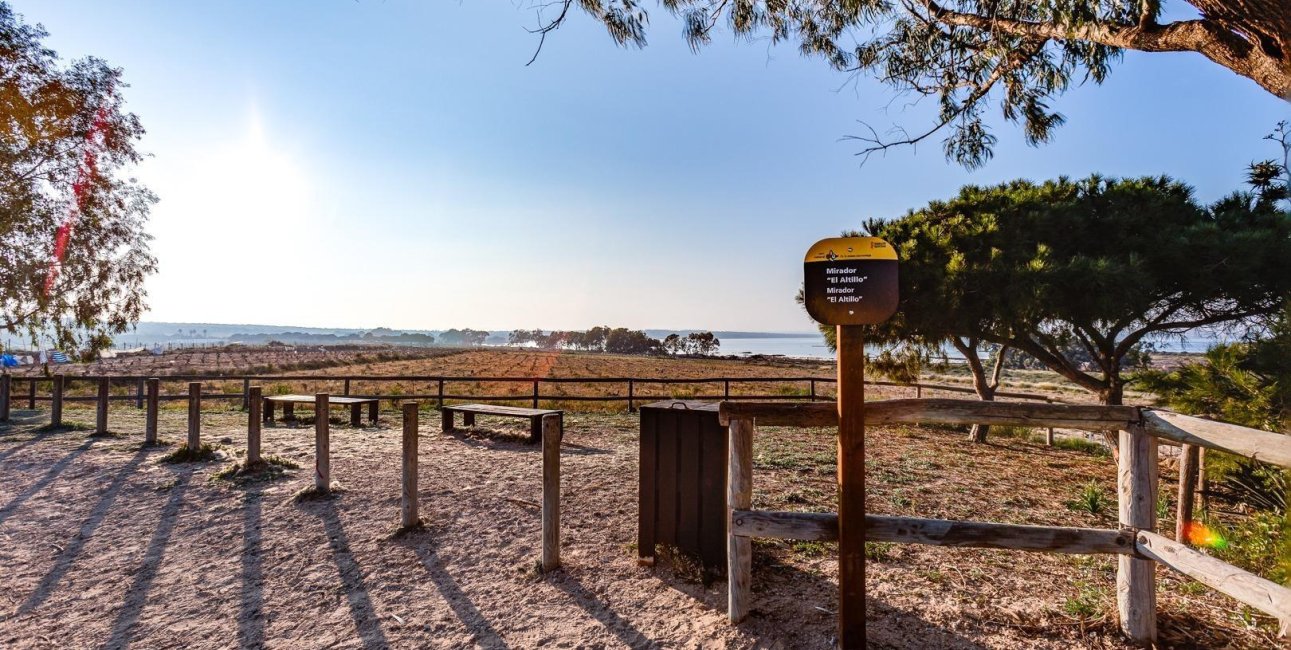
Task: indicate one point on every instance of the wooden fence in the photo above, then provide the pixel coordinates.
(1135, 543)
(438, 388)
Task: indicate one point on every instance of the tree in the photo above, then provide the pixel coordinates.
(621, 340)
(969, 53)
(701, 343)
(1271, 179)
(1099, 266)
(75, 253)
(672, 344)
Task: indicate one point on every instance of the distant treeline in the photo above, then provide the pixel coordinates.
(454, 337)
(618, 340)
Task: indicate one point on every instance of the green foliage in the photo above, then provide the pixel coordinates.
(1096, 265)
(55, 119)
(1091, 499)
(1260, 544)
(1081, 445)
(1245, 383)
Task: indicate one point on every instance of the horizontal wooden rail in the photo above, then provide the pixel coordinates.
(1267, 596)
(935, 532)
(1261, 445)
(940, 411)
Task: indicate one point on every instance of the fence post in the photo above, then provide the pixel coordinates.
(813, 390)
(726, 389)
(408, 513)
(739, 496)
(1188, 456)
(101, 414)
(150, 415)
(440, 396)
(31, 394)
(1203, 484)
(6, 383)
(551, 434)
(138, 393)
(254, 406)
(631, 407)
(322, 445)
(346, 388)
(918, 391)
(535, 393)
(194, 416)
(1048, 437)
(246, 393)
(1136, 498)
(56, 403)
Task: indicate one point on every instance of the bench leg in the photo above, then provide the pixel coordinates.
(535, 429)
(374, 409)
(288, 411)
(446, 420)
(268, 411)
(356, 414)
(468, 419)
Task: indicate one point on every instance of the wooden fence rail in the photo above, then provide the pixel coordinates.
(631, 397)
(1135, 543)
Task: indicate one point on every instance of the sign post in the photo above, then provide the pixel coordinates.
(850, 282)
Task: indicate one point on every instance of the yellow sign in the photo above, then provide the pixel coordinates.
(850, 281)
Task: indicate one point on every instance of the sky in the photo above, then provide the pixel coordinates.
(364, 163)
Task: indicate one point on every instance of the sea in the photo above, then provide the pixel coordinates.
(813, 347)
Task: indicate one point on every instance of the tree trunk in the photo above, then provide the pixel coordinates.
(1113, 396)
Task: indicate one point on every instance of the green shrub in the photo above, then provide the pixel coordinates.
(1091, 499)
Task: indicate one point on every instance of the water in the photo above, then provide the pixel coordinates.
(813, 347)
(810, 347)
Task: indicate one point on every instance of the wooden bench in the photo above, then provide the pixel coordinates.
(469, 411)
(289, 403)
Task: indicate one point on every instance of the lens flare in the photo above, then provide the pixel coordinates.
(85, 175)
(1200, 534)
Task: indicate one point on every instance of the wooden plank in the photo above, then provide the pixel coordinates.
(739, 496)
(1187, 490)
(646, 486)
(6, 387)
(1260, 445)
(101, 407)
(495, 409)
(255, 402)
(551, 435)
(194, 416)
(1087, 417)
(1267, 596)
(666, 505)
(332, 401)
(408, 512)
(936, 532)
(1136, 499)
(56, 403)
(712, 492)
(688, 484)
(150, 413)
(851, 486)
(322, 445)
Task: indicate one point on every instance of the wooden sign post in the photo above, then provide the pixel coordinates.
(851, 282)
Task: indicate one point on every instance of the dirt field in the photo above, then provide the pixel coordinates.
(102, 545)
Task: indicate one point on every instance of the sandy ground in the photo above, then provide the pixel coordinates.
(103, 546)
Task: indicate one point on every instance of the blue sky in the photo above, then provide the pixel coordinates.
(399, 154)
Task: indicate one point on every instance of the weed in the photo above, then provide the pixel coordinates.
(1086, 604)
(878, 551)
(1092, 499)
(1081, 445)
(809, 549)
(1011, 432)
(185, 455)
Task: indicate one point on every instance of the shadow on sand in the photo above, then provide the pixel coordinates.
(68, 556)
(136, 596)
(366, 621)
(423, 546)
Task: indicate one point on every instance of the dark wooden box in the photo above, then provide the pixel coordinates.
(683, 482)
